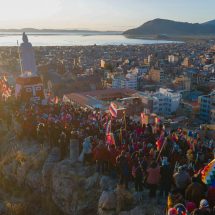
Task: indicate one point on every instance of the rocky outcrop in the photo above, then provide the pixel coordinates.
(50, 162)
(107, 183)
(107, 203)
(112, 201)
(136, 211)
(74, 188)
(22, 165)
(70, 186)
(124, 198)
(2, 209)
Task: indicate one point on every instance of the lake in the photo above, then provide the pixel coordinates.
(74, 39)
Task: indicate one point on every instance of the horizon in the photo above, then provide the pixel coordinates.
(105, 15)
(88, 29)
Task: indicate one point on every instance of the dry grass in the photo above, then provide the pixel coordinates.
(16, 208)
(21, 157)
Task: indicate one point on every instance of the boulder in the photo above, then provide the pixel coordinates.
(22, 171)
(69, 188)
(34, 180)
(9, 170)
(2, 209)
(91, 181)
(124, 198)
(136, 211)
(51, 161)
(107, 203)
(107, 183)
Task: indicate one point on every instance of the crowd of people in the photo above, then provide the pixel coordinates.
(167, 162)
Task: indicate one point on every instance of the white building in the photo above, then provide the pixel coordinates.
(164, 102)
(129, 81)
(140, 71)
(207, 107)
(173, 58)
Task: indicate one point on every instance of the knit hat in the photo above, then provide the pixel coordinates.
(181, 210)
(172, 211)
(204, 203)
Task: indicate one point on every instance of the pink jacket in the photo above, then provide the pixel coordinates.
(153, 175)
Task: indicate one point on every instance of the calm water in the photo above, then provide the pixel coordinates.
(73, 39)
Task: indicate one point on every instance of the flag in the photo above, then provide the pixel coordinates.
(108, 128)
(208, 174)
(113, 109)
(55, 100)
(4, 78)
(5, 89)
(144, 119)
(110, 140)
(157, 120)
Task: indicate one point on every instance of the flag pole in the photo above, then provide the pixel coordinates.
(161, 150)
(20, 62)
(125, 120)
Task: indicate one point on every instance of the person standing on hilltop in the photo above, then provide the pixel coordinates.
(166, 177)
(153, 178)
(123, 168)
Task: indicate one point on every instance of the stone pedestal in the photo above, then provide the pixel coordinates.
(74, 150)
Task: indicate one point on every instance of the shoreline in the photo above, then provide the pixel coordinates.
(178, 38)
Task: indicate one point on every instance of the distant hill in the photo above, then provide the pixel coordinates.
(171, 28)
(212, 22)
(53, 31)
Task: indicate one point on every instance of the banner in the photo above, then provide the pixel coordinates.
(144, 119)
(113, 110)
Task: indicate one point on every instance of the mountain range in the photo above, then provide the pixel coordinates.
(212, 22)
(57, 31)
(169, 28)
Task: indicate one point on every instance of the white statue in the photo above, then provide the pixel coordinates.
(27, 57)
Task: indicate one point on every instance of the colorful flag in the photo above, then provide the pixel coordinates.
(208, 174)
(113, 109)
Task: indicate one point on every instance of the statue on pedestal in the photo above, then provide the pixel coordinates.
(27, 57)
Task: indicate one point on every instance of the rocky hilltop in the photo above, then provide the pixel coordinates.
(35, 181)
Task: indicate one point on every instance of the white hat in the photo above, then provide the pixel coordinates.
(204, 203)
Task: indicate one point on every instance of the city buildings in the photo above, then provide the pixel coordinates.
(207, 107)
(127, 81)
(173, 59)
(156, 75)
(164, 102)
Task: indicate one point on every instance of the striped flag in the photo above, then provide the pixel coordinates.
(157, 120)
(113, 109)
(144, 118)
(55, 100)
(5, 89)
(108, 128)
(110, 140)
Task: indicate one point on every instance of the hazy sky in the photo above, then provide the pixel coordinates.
(100, 14)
